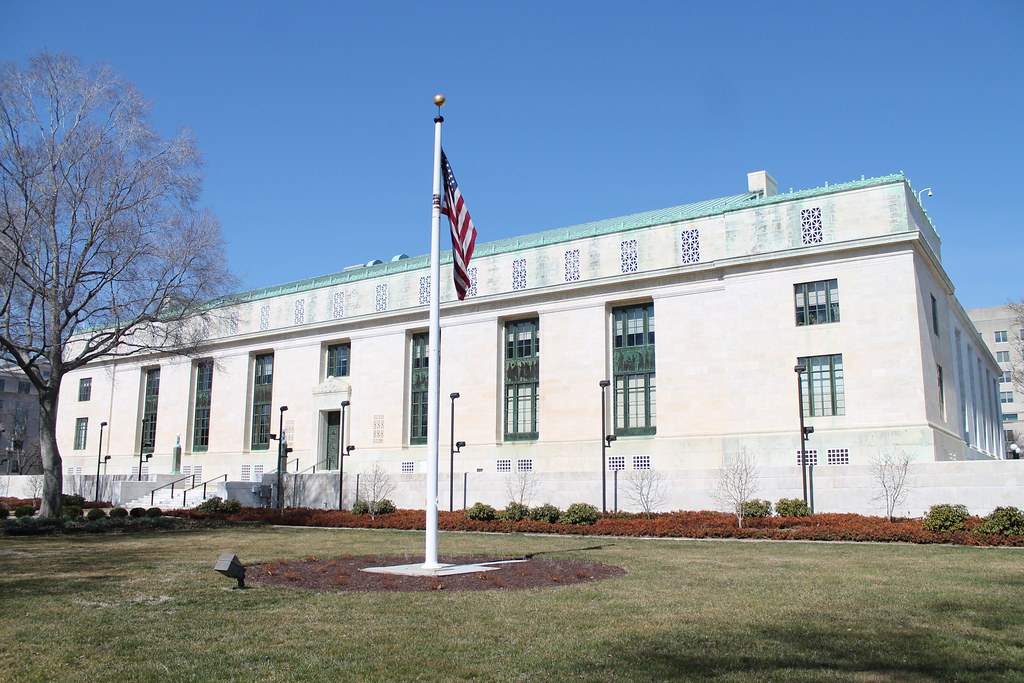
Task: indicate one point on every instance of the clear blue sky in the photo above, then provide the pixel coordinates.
(316, 118)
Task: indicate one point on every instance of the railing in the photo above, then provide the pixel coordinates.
(312, 468)
(152, 494)
(222, 477)
(289, 462)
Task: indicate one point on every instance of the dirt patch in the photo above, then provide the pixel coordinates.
(343, 574)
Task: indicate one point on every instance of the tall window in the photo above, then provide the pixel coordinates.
(823, 385)
(337, 360)
(149, 410)
(85, 389)
(633, 369)
(817, 303)
(1001, 336)
(522, 377)
(418, 387)
(81, 431)
(942, 393)
(262, 393)
(201, 419)
(935, 315)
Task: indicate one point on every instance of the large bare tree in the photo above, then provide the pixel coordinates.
(103, 249)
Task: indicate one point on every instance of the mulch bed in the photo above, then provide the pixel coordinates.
(342, 574)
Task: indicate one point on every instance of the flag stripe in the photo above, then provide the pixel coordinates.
(462, 229)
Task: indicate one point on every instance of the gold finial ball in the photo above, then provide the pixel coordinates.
(439, 100)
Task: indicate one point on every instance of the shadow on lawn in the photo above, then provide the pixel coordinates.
(797, 653)
(74, 587)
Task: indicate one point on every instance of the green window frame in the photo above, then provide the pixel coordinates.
(149, 410)
(262, 395)
(338, 360)
(81, 433)
(418, 385)
(201, 414)
(817, 303)
(85, 389)
(633, 369)
(522, 379)
(823, 385)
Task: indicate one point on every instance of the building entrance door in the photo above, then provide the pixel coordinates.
(332, 440)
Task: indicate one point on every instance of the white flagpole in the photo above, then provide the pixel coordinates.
(434, 349)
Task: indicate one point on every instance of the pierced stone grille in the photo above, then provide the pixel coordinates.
(810, 226)
(300, 311)
(264, 317)
(641, 462)
(812, 457)
(690, 245)
(425, 290)
(616, 462)
(839, 456)
(408, 468)
(233, 322)
(338, 305)
(472, 283)
(524, 465)
(519, 273)
(572, 265)
(627, 256)
(504, 466)
(378, 429)
(380, 298)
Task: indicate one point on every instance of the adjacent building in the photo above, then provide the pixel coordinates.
(19, 423)
(1000, 328)
(696, 315)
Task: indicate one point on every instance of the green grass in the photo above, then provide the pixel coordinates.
(149, 607)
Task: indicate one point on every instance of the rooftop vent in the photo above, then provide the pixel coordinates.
(762, 183)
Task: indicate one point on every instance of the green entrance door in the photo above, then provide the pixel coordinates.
(333, 440)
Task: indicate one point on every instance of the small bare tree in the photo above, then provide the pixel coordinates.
(738, 481)
(379, 485)
(646, 489)
(890, 477)
(521, 486)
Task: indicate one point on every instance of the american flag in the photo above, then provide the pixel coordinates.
(463, 230)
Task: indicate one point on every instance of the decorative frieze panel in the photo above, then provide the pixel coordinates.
(690, 246)
(264, 317)
(810, 226)
(627, 256)
(425, 289)
(380, 298)
(338, 305)
(572, 265)
(519, 274)
(300, 312)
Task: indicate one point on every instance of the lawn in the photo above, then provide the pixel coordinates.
(149, 607)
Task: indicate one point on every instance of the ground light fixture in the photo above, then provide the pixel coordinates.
(99, 460)
(341, 455)
(451, 456)
(229, 566)
(605, 442)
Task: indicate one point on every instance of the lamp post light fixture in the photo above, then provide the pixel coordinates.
(106, 458)
(927, 189)
(800, 370)
(281, 454)
(341, 456)
(451, 456)
(99, 459)
(1015, 451)
(142, 451)
(606, 440)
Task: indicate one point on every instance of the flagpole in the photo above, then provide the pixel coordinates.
(434, 349)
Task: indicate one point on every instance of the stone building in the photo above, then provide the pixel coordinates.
(696, 315)
(1003, 334)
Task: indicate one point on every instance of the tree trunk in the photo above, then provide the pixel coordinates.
(53, 476)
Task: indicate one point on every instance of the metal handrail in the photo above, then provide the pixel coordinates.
(217, 478)
(289, 462)
(152, 494)
(312, 468)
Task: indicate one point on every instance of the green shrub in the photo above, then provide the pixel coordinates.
(545, 513)
(231, 505)
(756, 508)
(154, 512)
(384, 507)
(71, 512)
(4, 512)
(514, 512)
(95, 513)
(946, 517)
(580, 513)
(481, 512)
(73, 499)
(118, 513)
(25, 511)
(360, 507)
(792, 507)
(1007, 521)
(137, 512)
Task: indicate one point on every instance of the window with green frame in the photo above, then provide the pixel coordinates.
(817, 303)
(149, 405)
(633, 370)
(81, 432)
(262, 393)
(418, 388)
(85, 389)
(201, 417)
(823, 385)
(337, 360)
(522, 379)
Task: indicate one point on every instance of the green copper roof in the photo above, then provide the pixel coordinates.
(709, 207)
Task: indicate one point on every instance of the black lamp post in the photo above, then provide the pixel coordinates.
(341, 455)
(142, 451)
(605, 441)
(800, 370)
(451, 456)
(99, 459)
(281, 454)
